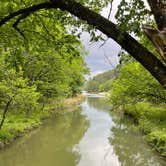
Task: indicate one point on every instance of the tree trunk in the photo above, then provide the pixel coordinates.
(158, 8)
(5, 113)
(43, 106)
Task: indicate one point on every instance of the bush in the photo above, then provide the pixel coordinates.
(158, 140)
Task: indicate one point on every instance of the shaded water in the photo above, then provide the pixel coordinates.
(90, 136)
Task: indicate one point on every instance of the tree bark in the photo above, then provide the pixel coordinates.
(139, 52)
(158, 8)
(5, 113)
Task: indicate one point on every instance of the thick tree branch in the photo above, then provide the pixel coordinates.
(28, 10)
(140, 53)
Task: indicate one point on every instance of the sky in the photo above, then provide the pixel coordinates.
(101, 59)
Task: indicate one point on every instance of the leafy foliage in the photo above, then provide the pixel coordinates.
(132, 14)
(45, 62)
(137, 94)
(134, 84)
(14, 86)
(101, 82)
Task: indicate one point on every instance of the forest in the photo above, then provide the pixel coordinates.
(101, 82)
(38, 72)
(42, 62)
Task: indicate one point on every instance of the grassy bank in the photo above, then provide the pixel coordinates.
(19, 124)
(151, 119)
(71, 104)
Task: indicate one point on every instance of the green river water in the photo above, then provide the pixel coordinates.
(89, 136)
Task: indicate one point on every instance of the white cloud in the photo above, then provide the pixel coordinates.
(103, 58)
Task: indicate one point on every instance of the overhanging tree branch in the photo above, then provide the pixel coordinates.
(28, 10)
(140, 53)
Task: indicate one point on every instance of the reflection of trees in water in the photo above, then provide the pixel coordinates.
(72, 126)
(130, 148)
(52, 145)
(99, 103)
(126, 140)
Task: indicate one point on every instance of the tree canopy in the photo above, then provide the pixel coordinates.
(23, 18)
(40, 60)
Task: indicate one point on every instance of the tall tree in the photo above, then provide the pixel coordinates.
(132, 46)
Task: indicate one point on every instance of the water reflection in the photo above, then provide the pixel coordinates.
(100, 103)
(127, 146)
(130, 147)
(94, 147)
(51, 145)
(93, 136)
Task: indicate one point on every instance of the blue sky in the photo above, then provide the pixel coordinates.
(100, 59)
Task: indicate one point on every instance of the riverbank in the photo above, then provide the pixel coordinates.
(17, 125)
(71, 104)
(151, 119)
(76, 138)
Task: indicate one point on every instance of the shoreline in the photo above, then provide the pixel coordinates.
(152, 131)
(12, 134)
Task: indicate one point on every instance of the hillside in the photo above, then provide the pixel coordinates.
(101, 82)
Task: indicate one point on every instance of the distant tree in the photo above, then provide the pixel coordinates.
(101, 82)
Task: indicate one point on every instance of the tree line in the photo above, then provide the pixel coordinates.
(36, 73)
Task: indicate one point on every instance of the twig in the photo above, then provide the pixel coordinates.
(109, 15)
(110, 9)
(108, 60)
(103, 43)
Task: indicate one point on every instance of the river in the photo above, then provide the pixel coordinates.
(89, 136)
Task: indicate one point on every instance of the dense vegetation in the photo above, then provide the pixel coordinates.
(101, 82)
(137, 94)
(36, 73)
(21, 14)
(41, 60)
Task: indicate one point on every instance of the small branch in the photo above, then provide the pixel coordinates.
(110, 10)
(113, 66)
(19, 31)
(108, 60)
(109, 15)
(5, 112)
(103, 43)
